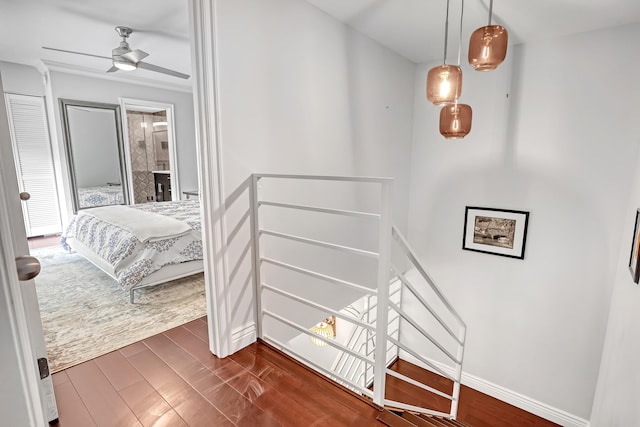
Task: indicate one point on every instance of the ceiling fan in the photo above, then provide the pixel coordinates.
(123, 58)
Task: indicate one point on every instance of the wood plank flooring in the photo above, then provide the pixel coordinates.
(171, 379)
(476, 409)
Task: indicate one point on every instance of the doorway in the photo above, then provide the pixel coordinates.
(150, 150)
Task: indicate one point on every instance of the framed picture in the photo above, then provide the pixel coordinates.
(495, 231)
(634, 259)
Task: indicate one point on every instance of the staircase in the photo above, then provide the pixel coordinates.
(407, 419)
(313, 259)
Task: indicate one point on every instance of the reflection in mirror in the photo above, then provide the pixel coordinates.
(94, 148)
(148, 138)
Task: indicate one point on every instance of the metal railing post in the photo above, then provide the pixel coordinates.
(382, 315)
(456, 384)
(255, 255)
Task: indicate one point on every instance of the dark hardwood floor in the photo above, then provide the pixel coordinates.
(171, 379)
(476, 409)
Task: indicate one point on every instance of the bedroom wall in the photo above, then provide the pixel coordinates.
(325, 101)
(79, 87)
(617, 392)
(561, 147)
(22, 79)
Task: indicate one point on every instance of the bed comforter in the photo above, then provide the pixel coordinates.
(89, 197)
(132, 260)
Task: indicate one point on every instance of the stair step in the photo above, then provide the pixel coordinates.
(418, 421)
(393, 420)
(436, 421)
(446, 421)
(407, 419)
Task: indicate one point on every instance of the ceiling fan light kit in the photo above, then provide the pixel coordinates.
(488, 45)
(125, 59)
(124, 65)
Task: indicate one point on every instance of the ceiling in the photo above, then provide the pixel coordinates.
(161, 28)
(413, 28)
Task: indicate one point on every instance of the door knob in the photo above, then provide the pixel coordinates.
(28, 267)
(25, 196)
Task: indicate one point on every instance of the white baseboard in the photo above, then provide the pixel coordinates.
(242, 336)
(511, 397)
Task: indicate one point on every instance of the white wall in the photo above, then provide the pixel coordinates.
(22, 79)
(618, 390)
(563, 146)
(302, 93)
(78, 87)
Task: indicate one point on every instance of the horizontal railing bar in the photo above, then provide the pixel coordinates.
(409, 252)
(319, 307)
(356, 214)
(317, 367)
(306, 331)
(320, 276)
(422, 359)
(413, 323)
(418, 384)
(398, 405)
(320, 243)
(325, 177)
(415, 293)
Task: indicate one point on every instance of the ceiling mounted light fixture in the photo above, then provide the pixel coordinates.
(124, 65)
(444, 82)
(455, 119)
(488, 45)
(325, 329)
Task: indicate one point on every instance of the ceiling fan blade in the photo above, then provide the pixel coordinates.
(77, 53)
(113, 69)
(158, 69)
(135, 56)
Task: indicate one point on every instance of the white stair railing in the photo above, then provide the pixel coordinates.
(363, 360)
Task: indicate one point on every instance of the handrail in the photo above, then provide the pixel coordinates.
(319, 337)
(409, 252)
(357, 214)
(419, 297)
(318, 275)
(371, 179)
(423, 332)
(364, 358)
(318, 306)
(320, 243)
(274, 341)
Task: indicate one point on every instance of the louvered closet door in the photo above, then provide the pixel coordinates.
(34, 163)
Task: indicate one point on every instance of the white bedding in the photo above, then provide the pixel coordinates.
(130, 258)
(145, 225)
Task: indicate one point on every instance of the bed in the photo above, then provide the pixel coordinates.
(139, 245)
(110, 194)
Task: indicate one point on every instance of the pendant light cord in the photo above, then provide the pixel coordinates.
(490, 10)
(460, 37)
(446, 34)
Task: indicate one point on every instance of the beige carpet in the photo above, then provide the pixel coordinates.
(85, 313)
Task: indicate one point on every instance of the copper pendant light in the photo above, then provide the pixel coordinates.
(455, 121)
(488, 45)
(444, 82)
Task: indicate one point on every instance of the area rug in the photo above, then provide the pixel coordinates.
(85, 313)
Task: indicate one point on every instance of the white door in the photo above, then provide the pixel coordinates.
(24, 329)
(34, 163)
